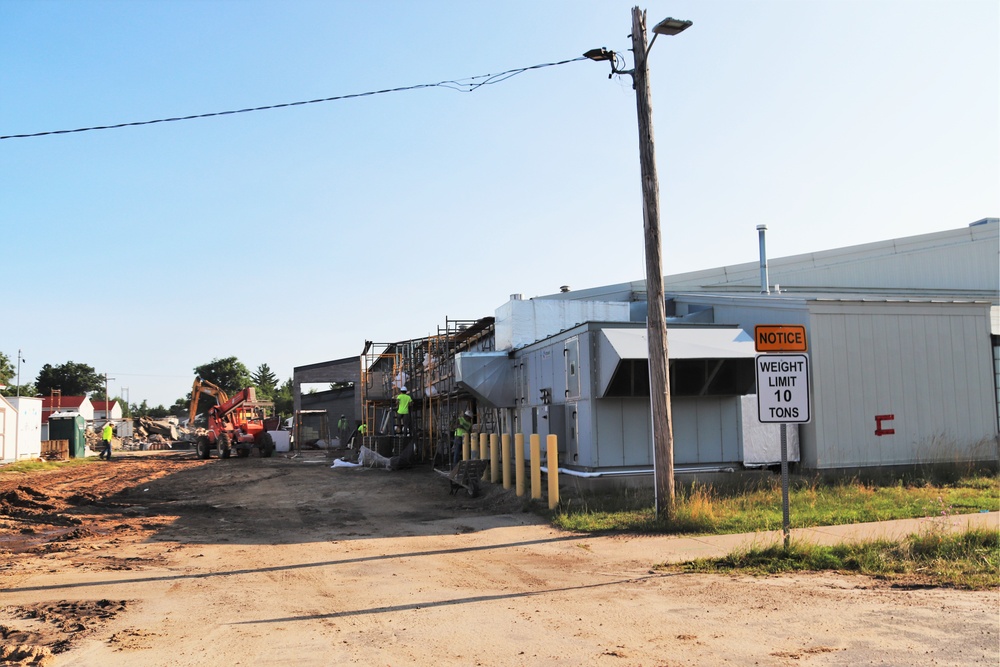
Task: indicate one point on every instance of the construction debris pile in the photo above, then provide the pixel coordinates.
(147, 434)
(144, 427)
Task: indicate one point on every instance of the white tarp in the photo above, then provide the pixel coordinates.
(372, 459)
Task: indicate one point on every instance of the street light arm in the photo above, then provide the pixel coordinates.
(651, 42)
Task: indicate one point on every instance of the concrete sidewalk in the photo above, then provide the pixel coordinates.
(680, 549)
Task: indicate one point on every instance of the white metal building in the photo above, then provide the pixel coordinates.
(908, 328)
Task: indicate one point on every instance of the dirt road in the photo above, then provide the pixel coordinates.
(162, 559)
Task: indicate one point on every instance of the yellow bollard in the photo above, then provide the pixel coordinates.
(466, 451)
(482, 446)
(536, 467)
(519, 464)
(505, 459)
(552, 459)
(494, 458)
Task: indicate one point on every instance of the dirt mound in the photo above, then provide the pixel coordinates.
(26, 655)
(82, 499)
(75, 534)
(24, 497)
(58, 625)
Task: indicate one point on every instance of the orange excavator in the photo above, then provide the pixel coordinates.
(239, 423)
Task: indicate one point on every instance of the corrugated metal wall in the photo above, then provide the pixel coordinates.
(927, 364)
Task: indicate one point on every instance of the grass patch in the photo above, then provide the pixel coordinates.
(968, 560)
(701, 509)
(36, 465)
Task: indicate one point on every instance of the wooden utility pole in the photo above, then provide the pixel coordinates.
(107, 399)
(656, 320)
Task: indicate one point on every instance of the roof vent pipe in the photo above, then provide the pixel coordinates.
(761, 230)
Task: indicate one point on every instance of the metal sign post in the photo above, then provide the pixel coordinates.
(782, 392)
(786, 523)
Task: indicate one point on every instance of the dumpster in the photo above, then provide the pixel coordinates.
(70, 426)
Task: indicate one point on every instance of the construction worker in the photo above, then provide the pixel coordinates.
(463, 429)
(344, 429)
(106, 433)
(359, 433)
(403, 400)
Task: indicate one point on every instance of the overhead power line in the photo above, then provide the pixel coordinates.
(466, 85)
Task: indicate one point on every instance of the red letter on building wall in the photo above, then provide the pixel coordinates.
(878, 424)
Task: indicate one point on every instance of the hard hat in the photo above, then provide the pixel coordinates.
(403, 388)
(468, 413)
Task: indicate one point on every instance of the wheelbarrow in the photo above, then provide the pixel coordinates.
(466, 475)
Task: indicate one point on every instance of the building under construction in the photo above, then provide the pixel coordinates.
(903, 345)
(426, 368)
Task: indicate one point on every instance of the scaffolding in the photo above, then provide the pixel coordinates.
(426, 367)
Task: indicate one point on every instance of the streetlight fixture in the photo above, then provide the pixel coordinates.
(656, 320)
(669, 26)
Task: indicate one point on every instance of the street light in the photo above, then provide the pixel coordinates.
(656, 320)
(20, 359)
(669, 26)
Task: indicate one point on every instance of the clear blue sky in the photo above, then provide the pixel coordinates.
(291, 236)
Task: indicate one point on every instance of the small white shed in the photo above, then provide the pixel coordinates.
(20, 428)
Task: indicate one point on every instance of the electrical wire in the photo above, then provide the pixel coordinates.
(466, 85)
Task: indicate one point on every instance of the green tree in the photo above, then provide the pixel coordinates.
(284, 401)
(126, 409)
(182, 407)
(265, 381)
(7, 370)
(8, 377)
(23, 390)
(71, 378)
(159, 412)
(228, 374)
(144, 410)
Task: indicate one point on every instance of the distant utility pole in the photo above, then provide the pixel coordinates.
(107, 399)
(19, 360)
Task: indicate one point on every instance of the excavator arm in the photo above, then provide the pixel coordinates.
(204, 387)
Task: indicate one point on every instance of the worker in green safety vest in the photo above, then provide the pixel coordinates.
(106, 433)
(343, 430)
(403, 400)
(462, 429)
(358, 436)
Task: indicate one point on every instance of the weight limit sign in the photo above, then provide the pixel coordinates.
(783, 388)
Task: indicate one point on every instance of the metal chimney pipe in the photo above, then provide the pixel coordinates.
(764, 289)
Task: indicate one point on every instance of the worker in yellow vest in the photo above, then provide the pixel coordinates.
(462, 429)
(343, 430)
(403, 401)
(106, 434)
(358, 436)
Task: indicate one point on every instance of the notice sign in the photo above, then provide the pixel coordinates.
(779, 338)
(783, 388)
